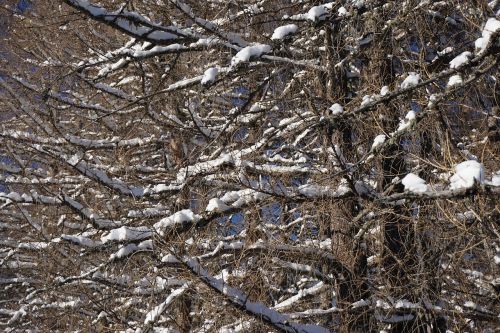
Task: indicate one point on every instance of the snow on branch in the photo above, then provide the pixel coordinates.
(133, 23)
(317, 169)
(241, 301)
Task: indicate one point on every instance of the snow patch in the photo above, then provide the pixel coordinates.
(283, 31)
(315, 13)
(361, 303)
(129, 249)
(209, 75)
(153, 315)
(336, 109)
(411, 80)
(342, 11)
(384, 91)
(445, 51)
(216, 205)
(379, 140)
(495, 179)
(316, 191)
(180, 217)
(80, 240)
(491, 27)
(467, 174)
(366, 100)
(406, 304)
(127, 234)
(460, 59)
(454, 80)
(407, 122)
(253, 51)
(414, 183)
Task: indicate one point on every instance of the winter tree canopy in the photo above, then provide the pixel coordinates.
(249, 166)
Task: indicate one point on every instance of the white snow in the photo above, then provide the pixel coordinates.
(414, 183)
(216, 205)
(384, 91)
(14, 196)
(93, 10)
(128, 249)
(32, 245)
(102, 177)
(89, 214)
(407, 122)
(149, 212)
(336, 109)
(411, 80)
(204, 167)
(382, 304)
(253, 51)
(209, 75)
(445, 51)
(491, 26)
(379, 139)
(16, 315)
(358, 3)
(283, 31)
(476, 307)
(131, 22)
(180, 217)
(495, 179)
(159, 188)
(301, 294)
(141, 53)
(242, 197)
(80, 240)
(315, 191)
(342, 11)
(481, 43)
(460, 59)
(496, 259)
(361, 303)
(240, 299)
(454, 80)
(127, 234)
(367, 99)
(316, 13)
(467, 174)
(406, 304)
(153, 315)
(170, 259)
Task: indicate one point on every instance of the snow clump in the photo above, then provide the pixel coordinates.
(336, 109)
(253, 51)
(414, 183)
(491, 26)
(460, 59)
(379, 140)
(209, 75)
(216, 205)
(467, 174)
(408, 121)
(454, 80)
(283, 31)
(316, 13)
(411, 80)
(384, 90)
